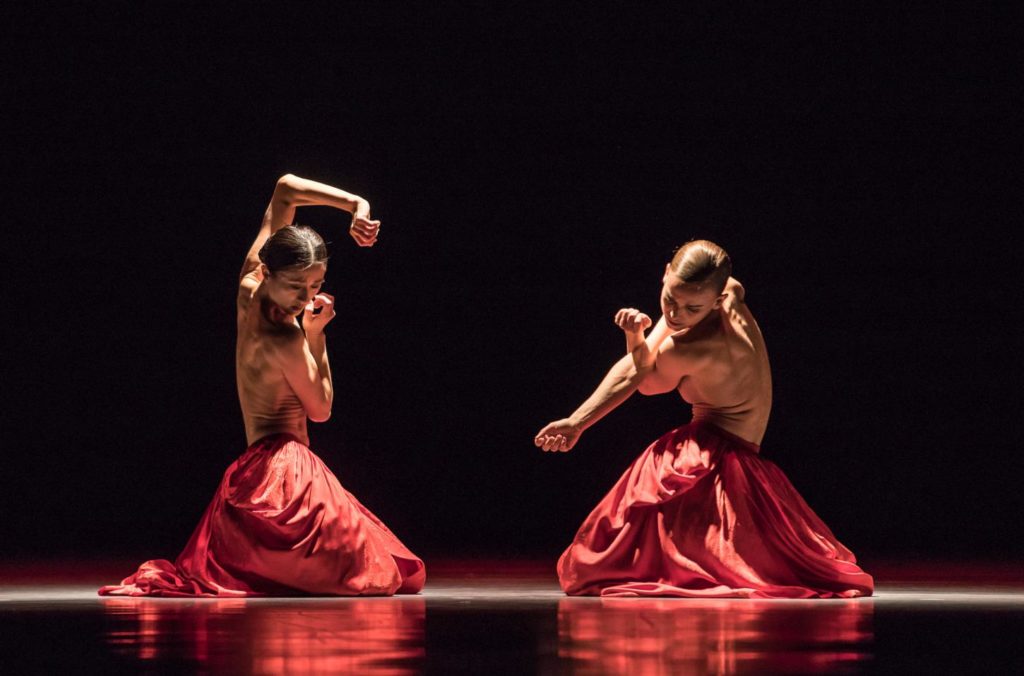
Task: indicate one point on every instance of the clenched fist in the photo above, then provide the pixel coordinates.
(632, 320)
(317, 313)
(364, 231)
(560, 435)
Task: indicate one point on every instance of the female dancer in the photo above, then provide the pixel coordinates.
(699, 513)
(280, 523)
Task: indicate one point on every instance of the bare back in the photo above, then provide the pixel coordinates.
(269, 404)
(728, 380)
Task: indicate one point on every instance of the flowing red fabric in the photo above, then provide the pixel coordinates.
(282, 525)
(701, 514)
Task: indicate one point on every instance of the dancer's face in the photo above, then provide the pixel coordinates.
(683, 305)
(290, 290)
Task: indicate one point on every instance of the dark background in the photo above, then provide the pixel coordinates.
(533, 170)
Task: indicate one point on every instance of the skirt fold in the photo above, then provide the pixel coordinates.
(280, 523)
(701, 514)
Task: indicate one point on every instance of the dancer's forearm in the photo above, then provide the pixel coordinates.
(291, 192)
(318, 348)
(616, 387)
(640, 353)
(301, 192)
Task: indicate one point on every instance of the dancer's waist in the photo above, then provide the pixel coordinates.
(275, 439)
(721, 427)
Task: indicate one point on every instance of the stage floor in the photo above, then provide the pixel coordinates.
(500, 617)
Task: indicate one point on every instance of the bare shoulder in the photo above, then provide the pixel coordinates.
(683, 348)
(695, 346)
(247, 286)
(734, 291)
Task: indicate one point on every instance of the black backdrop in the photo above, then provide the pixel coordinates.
(533, 172)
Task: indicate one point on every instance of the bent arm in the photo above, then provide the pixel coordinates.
(291, 192)
(308, 372)
(643, 368)
(654, 360)
(280, 212)
(667, 369)
(645, 350)
(302, 192)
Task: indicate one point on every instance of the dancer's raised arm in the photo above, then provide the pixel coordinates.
(290, 282)
(292, 192)
(642, 362)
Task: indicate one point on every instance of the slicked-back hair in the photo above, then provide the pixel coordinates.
(702, 263)
(293, 247)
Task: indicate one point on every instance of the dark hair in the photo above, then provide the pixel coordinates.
(293, 247)
(701, 262)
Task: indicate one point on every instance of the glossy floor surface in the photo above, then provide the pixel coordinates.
(480, 617)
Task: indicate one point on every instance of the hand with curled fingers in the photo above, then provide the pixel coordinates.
(631, 320)
(364, 231)
(318, 313)
(561, 435)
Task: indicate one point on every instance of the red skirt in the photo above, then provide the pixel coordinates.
(701, 514)
(282, 525)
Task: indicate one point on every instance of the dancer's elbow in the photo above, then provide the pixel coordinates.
(638, 375)
(285, 189)
(321, 411)
(657, 382)
(648, 387)
(319, 416)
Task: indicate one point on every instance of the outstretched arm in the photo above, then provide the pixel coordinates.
(616, 387)
(621, 381)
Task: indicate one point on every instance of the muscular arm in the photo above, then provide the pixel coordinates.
(616, 387)
(667, 371)
(629, 373)
(658, 367)
(308, 372)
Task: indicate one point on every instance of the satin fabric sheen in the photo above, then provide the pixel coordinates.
(701, 514)
(280, 524)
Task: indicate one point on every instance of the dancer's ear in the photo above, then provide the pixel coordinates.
(719, 301)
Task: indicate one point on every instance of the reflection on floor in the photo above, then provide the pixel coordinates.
(485, 617)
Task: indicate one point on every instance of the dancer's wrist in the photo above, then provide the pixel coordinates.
(362, 209)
